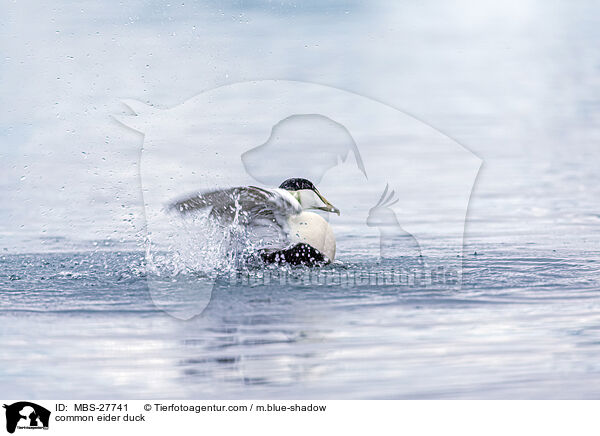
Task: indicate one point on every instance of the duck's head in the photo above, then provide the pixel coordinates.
(307, 195)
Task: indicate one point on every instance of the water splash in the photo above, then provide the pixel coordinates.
(202, 247)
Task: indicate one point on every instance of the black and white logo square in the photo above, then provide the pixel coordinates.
(24, 415)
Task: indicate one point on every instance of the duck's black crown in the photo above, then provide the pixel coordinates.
(297, 184)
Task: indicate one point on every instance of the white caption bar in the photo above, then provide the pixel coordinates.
(276, 417)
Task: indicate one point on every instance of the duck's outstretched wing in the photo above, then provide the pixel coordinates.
(244, 205)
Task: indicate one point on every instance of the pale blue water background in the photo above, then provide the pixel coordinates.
(517, 83)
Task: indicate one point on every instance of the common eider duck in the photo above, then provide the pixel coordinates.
(303, 237)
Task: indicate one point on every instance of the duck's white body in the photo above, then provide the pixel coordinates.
(312, 229)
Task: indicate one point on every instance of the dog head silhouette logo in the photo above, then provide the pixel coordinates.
(26, 415)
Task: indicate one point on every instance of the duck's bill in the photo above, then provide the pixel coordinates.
(328, 207)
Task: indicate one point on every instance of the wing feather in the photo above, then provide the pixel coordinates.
(249, 205)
